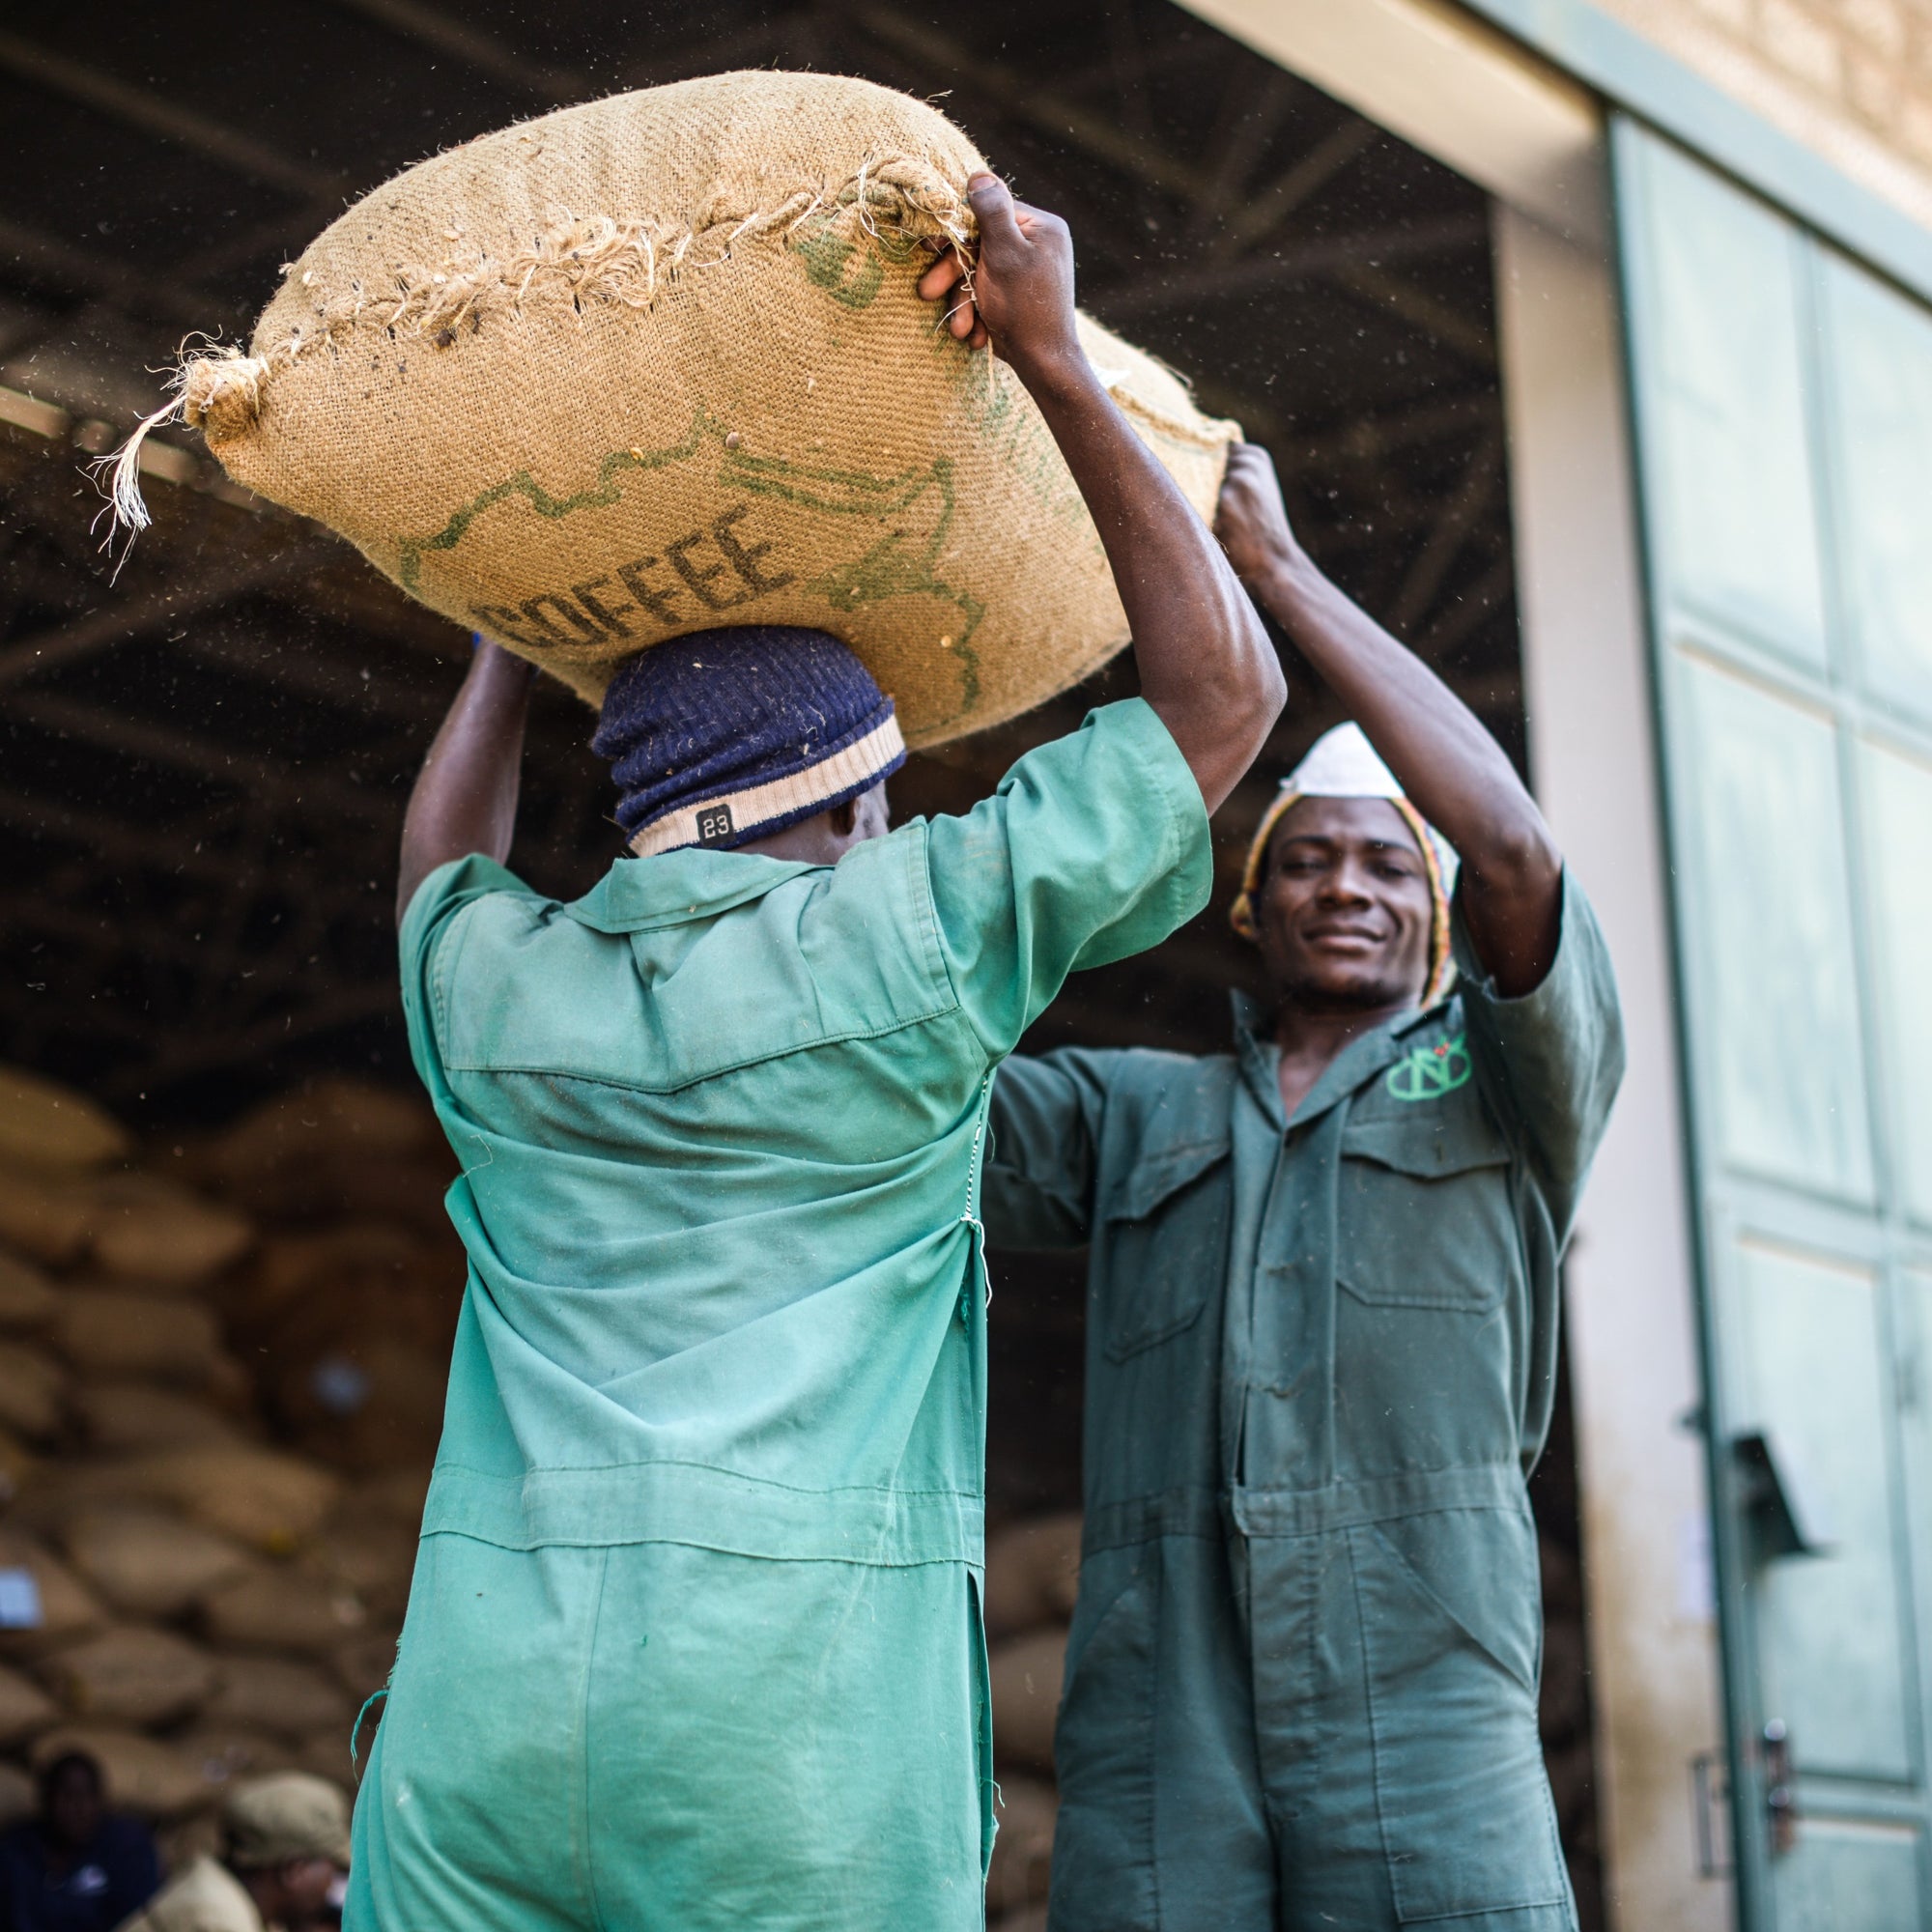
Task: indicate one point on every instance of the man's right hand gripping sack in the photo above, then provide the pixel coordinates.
(657, 364)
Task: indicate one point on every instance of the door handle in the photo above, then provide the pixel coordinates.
(1783, 1511)
(1781, 1794)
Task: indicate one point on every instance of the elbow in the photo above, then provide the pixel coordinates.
(1272, 696)
(1518, 861)
(1263, 685)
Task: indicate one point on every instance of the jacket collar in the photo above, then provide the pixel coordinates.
(674, 888)
(1358, 1063)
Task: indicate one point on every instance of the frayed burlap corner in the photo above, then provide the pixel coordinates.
(579, 261)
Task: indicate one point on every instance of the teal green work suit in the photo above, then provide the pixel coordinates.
(1301, 1683)
(693, 1639)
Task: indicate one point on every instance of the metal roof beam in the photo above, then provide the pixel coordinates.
(207, 758)
(154, 114)
(121, 623)
(430, 27)
(1421, 310)
(46, 257)
(1102, 136)
(1326, 258)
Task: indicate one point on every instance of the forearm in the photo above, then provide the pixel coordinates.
(1447, 762)
(464, 797)
(1207, 666)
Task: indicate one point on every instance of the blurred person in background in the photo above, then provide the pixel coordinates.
(75, 1867)
(1323, 1310)
(284, 1858)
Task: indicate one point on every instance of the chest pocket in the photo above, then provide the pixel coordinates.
(1165, 1230)
(1423, 1209)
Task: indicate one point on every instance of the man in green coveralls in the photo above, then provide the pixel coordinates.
(1322, 1292)
(693, 1639)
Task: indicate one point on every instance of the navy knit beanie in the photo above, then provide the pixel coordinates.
(724, 736)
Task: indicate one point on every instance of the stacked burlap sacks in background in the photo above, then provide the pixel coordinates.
(221, 1373)
(657, 363)
(221, 1368)
(1033, 1572)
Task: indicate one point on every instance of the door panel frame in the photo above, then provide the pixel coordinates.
(1735, 1204)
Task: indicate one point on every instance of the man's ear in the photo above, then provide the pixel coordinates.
(845, 818)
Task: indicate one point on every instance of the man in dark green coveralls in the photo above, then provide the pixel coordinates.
(1322, 1333)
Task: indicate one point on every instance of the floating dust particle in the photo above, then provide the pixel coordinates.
(637, 454)
(945, 643)
(810, 383)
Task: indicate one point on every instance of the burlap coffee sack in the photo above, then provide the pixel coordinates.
(657, 364)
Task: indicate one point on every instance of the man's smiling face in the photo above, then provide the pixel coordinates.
(1343, 913)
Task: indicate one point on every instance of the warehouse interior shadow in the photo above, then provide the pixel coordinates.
(207, 754)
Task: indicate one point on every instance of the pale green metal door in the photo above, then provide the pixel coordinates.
(1783, 405)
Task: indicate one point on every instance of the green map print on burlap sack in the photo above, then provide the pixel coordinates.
(707, 575)
(815, 544)
(833, 542)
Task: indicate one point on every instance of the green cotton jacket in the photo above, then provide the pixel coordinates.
(697, 1602)
(719, 1124)
(1320, 1351)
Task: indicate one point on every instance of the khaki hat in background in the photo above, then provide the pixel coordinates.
(287, 1815)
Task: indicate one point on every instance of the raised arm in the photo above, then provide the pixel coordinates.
(464, 797)
(1450, 766)
(1207, 666)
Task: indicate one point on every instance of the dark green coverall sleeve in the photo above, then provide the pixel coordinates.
(1039, 1187)
(1549, 1063)
(1094, 848)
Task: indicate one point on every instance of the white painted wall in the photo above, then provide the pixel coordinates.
(1448, 84)
(1634, 1370)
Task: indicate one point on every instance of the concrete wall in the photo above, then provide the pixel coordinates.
(1852, 80)
(1630, 1301)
